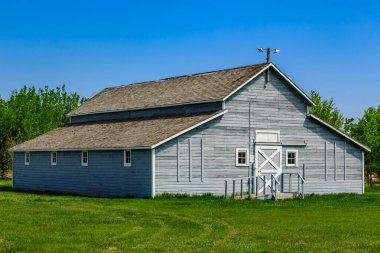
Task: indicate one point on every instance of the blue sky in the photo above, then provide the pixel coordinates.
(329, 46)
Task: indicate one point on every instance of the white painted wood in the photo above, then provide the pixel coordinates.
(335, 161)
(344, 161)
(190, 165)
(153, 173)
(246, 152)
(295, 151)
(363, 172)
(325, 160)
(202, 162)
(27, 158)
(267, 136)
(260, 166)
(127, 153)
(178, 160)
(85, 158)
(53, 158)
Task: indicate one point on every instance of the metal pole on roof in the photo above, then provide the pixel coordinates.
(268, 55)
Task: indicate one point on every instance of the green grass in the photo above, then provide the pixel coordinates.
(36, 222)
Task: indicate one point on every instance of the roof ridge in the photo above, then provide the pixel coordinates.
(189, 75)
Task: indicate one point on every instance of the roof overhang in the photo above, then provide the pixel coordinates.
(362, 146)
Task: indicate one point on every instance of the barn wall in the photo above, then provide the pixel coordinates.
(105, 174)
(274, 106)
(172, 110)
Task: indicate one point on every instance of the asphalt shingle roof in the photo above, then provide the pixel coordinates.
(141, 133)
(209, 86)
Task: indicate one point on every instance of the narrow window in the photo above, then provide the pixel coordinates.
(27, 158)
(84, 158)
(54, 158)
(127, 158)
(241, 157)
(291, 158)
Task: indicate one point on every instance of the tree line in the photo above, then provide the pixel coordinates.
(30, 112)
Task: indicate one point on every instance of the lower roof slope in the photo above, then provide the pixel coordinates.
(132, 133)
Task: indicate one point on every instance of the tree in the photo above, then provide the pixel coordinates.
(367, 131)
(326, 110)
(30, 112)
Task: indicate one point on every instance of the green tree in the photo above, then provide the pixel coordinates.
(367, 131)
(326, 110)
(30, 112)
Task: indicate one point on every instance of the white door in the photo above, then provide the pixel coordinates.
(268, 160)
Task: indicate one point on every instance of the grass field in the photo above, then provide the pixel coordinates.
(36, 222)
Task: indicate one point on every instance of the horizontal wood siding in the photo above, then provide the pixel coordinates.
(141, 113)
(274, 106)
(105, 174)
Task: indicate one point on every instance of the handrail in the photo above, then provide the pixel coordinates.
(299, 177)
(253, 184)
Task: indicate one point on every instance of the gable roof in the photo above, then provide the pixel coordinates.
(143, 133)
(188, 89)
(339, 132)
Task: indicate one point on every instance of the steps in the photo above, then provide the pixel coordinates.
(269, 196)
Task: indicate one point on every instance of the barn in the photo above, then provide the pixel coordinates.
(245, 129)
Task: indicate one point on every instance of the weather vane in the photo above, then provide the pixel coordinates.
(275, 51)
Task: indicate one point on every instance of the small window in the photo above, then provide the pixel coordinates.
(127, 158)
(27, 158)
(84, 158)
(291, 158)
(54, 158)
(241, 157)
(267, 136)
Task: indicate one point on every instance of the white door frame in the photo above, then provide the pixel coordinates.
(268, 159)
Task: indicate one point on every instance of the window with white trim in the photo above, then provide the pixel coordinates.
(54, 158)
(27, 158)
(84, 158)
(291, 158)
(127, 158)
(242, 157)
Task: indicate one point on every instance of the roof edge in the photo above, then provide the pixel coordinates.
(190, 128)
(339, 132)
(76, 149)
(145, 108)
(302, 93)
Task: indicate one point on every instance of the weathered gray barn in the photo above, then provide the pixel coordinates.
(194, 134)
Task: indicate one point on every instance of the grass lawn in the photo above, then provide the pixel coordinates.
(36, 222)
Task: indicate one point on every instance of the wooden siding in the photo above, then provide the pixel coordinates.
(153, 112)
(274, 106)
(104, 176)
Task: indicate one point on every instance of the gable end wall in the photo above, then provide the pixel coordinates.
(274, 106)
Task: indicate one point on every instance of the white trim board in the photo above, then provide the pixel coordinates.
(190, 128)
(339, 132)
(293, 85)
(123, 148)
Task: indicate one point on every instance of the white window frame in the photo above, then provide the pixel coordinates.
(295, 158)
(83, 163)
(269, 132)
(246, 150)
(51, 158)
(27, 154)
(130, 158)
